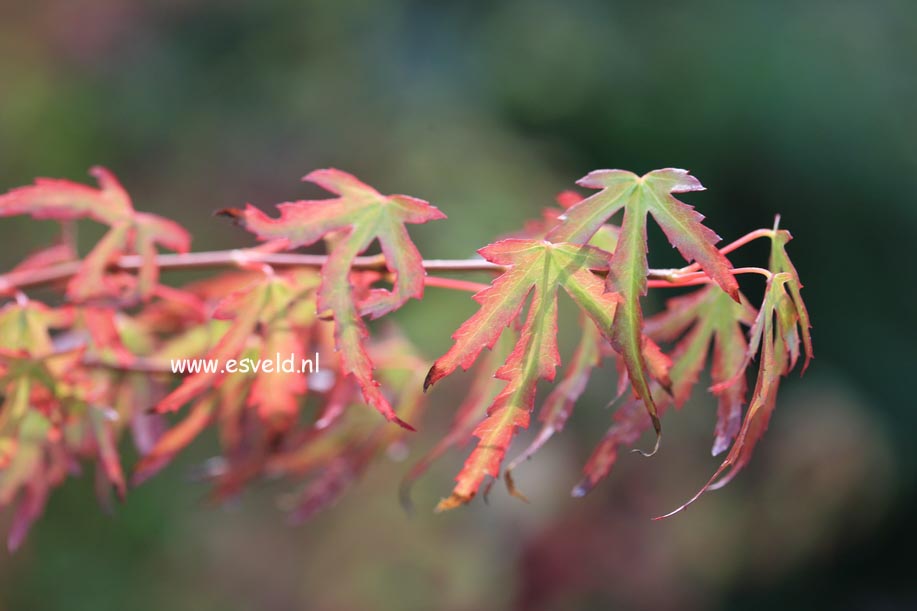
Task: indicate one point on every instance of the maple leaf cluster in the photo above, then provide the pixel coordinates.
(90, 365)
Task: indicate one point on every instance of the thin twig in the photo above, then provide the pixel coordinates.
(725, 250)
(214, 259)
(456, 285)
(676, 279)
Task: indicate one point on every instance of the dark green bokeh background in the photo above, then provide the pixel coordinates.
(488, 109)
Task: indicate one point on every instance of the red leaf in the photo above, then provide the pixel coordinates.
(246, 308)
(129, 232)
(629, 424)
(174, 440)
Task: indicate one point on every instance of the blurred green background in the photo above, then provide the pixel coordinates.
(487, 109)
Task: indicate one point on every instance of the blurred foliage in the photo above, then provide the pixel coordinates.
(486, 110)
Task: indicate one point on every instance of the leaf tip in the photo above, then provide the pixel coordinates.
(719, 446)
(581, 489)
(454, 500)
(14, 541)
(511, 487)
(672, 513)
(405, 425)
(104, 176)
(658, 428)
(235, 214)
(432, 376)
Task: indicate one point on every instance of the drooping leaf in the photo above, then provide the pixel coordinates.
(533, 267)
(559, 404)
(401, 370)
(174, 440)
(51, 411)
(28, 471)
(105, 344)
(706, 317)
(770, 331)
(244, 309)
(104, 432)
(699, 319)
(355, 219)
(277, 393)
(629, 423)
(30, 508)
(780, 263)
(481, 394)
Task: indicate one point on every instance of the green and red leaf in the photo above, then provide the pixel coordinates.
(780, 263)
(639, 196)
(537, 268)
(483, 390)
(770, 332)
(354, 219)
(700, 319)
(558, 406)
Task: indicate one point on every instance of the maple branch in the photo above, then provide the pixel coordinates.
(214, 259)
(33, 278)
(675, 280)
(142, 365)
(745, 239)
(452, 283)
